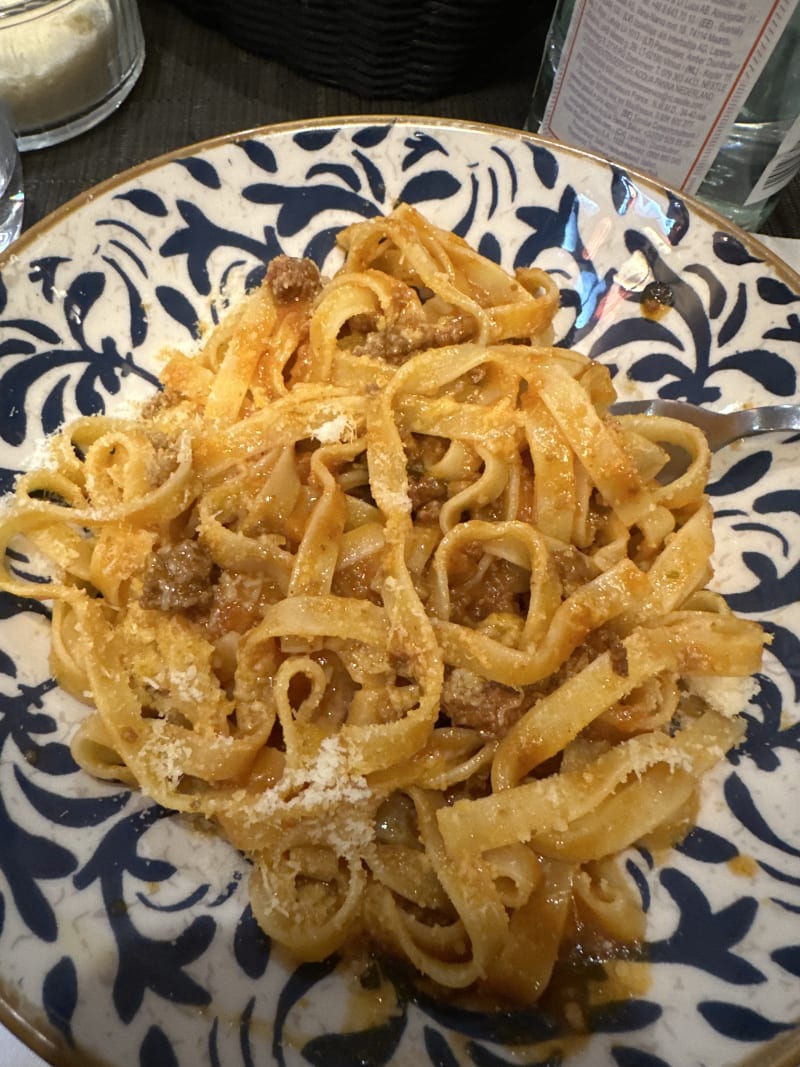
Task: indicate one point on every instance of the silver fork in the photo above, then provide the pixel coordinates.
(720, 427)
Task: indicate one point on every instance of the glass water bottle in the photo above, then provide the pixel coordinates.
(759, 150)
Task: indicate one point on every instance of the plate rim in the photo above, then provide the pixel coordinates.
(32, 1028)
(702, 210)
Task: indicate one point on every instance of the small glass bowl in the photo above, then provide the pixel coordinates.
(66, 64)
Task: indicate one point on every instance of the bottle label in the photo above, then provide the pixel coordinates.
(659, 84)
(785, 164)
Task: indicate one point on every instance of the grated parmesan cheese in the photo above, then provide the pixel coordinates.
(42, 457)
(166, 755)
(185, 683)
(337, 429)
(727, 695)
(327, 792)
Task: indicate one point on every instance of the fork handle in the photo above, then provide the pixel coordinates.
(771, 418)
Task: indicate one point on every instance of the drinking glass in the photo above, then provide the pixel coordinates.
(11, 192)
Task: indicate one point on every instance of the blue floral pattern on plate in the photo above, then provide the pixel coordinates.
(125, 932)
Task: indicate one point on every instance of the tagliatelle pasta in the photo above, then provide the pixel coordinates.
(377, 585)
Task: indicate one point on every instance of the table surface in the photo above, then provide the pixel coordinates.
(197, 85)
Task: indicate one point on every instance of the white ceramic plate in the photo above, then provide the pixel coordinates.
(125, 934)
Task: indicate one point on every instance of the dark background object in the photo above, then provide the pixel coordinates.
(382, 48)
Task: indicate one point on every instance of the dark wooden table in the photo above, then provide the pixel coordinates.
(197, 84)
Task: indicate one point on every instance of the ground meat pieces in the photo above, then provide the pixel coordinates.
(453, 330)
(178, 577)
(426, 494)
(362, 323)
(603, 639)
(359, 581)
(472, 701)
(504, 588)
(293, 279)
(618, 655)
(423, 488)
(396, 343)
(574, 569)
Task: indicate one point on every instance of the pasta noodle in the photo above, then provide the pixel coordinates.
(378, 585)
